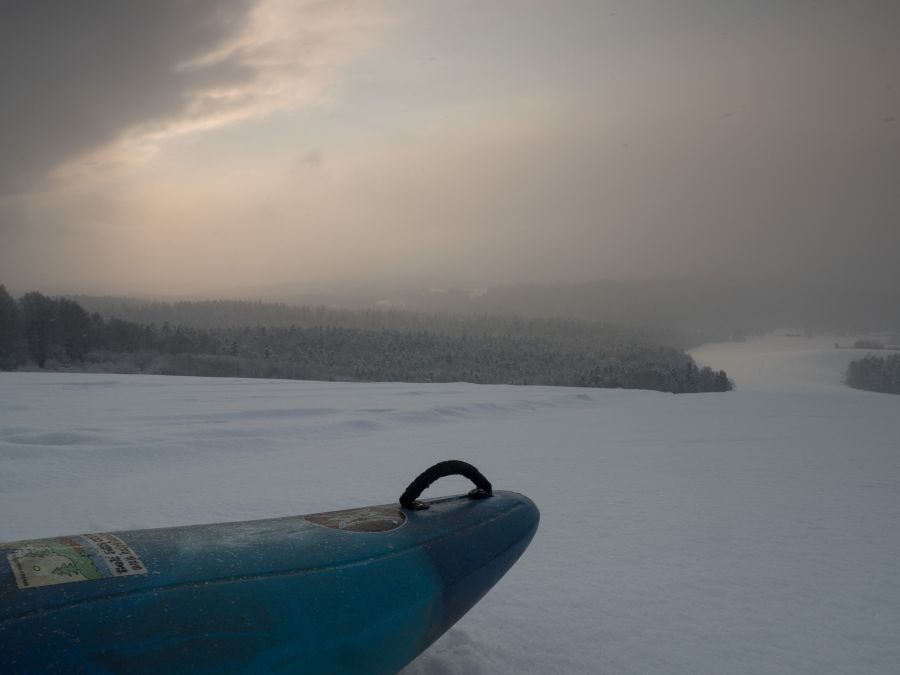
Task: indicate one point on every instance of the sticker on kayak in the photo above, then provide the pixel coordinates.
(369, 519)
(45, 562)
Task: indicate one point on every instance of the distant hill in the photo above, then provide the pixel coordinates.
(702, 310)
(216, 314)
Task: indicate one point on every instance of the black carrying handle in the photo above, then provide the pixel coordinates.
(452, 467)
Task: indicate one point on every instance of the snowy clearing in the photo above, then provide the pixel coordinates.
(756, 531)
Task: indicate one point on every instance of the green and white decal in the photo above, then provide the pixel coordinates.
(63, 560)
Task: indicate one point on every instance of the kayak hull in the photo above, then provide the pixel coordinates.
(359, 591)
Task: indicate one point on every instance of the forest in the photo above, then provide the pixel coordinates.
(240, 313)
(875, 373)
(37, 331)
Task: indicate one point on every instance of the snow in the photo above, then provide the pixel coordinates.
(756, 531)
(784, 363)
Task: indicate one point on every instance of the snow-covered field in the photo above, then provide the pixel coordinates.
(751, 532)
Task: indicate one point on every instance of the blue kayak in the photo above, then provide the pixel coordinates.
(355, 591)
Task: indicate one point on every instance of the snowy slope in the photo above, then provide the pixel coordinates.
(784, 363)
(751, 532)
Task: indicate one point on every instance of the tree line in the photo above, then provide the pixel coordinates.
(240, 313)
(875, 373)
(55, 333)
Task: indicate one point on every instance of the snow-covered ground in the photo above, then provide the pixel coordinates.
(751, 532)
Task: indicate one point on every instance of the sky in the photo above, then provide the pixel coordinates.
(187, 147)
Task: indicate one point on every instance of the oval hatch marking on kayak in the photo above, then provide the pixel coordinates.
(367, 519)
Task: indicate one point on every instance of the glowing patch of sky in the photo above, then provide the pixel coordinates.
(485, 143)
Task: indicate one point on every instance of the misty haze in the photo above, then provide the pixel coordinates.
(639, 261)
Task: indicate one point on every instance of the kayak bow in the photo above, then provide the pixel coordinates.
(356, 591)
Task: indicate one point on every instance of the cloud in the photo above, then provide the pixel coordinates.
(741, 140)
(99, 84)
(309, 162)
